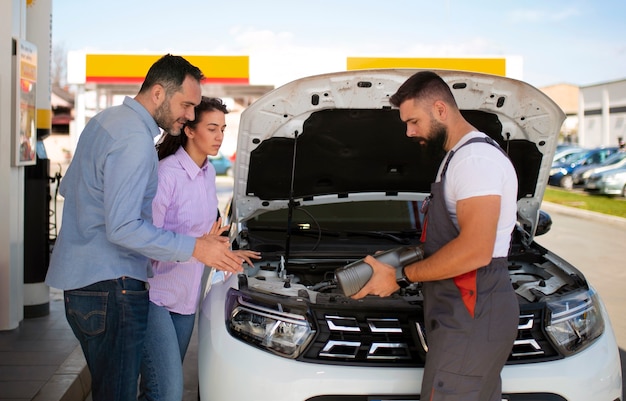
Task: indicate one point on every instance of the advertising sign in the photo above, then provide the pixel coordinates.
(25, 103)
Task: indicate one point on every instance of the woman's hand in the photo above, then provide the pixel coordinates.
(247, 256)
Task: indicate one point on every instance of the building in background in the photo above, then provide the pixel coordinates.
(566, 96)
(602, 114)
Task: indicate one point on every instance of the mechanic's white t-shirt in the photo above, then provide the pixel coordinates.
(480, 169)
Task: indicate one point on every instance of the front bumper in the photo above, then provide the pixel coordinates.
(229, 369)
(600, 187)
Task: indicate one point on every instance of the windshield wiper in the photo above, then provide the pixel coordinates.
(387, 235)
(400, 237)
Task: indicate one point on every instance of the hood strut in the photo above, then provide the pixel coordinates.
(292, 203)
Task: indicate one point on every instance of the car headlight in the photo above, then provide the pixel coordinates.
(575, 322)
(557, 170)
(281, 329)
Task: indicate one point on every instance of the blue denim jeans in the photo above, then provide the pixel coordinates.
(109, 319)
(167, 339)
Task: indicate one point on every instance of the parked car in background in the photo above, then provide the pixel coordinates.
(616, 160)
(563, 146)
(326, 175)
(222, 164)
(609, 182)
(568, 154)
(561, 172)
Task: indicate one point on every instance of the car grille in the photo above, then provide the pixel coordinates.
(531, 344)
(379, 338)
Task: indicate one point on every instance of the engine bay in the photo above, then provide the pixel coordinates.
(535, 274)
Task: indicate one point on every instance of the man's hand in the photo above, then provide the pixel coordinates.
(383, 280)
(214, 250)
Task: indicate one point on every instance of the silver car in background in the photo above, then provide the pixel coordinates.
(609, 182)
(616, 160)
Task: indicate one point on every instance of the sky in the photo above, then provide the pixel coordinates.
(579, 42)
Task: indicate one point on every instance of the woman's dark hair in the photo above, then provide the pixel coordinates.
(169, 144)
(170, 71)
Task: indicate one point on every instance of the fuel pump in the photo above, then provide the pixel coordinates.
(37, 177)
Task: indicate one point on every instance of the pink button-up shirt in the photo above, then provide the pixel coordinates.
(186, 203)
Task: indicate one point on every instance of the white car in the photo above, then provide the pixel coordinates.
(324, 176)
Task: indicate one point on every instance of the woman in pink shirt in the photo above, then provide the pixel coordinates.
(186, 203)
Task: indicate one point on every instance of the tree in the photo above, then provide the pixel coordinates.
(58, 67)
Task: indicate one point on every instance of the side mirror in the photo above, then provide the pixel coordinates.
(544, 223)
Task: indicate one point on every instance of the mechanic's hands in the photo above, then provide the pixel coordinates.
(383, 280)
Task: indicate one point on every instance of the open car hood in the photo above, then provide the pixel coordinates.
(350, 144)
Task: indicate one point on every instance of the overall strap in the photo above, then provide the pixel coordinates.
(469, 141)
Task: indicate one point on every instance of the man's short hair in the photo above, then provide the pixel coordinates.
(170, 71)
(423, 85)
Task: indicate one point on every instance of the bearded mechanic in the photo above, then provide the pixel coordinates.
(470, 309)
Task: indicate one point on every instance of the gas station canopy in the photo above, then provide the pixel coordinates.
(131, 69)
(122, 74)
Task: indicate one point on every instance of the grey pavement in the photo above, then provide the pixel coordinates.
(41, 360)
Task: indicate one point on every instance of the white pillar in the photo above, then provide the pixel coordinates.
(80, 116)
(76, 73)
(605, 134)
(581, 118)
(12, 25)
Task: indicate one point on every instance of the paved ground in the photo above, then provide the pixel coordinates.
(42, 361)
(595, 245)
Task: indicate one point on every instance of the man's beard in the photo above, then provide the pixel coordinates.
(163, 118)
(433, 148)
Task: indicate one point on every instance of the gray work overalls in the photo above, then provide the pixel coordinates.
(471, 320)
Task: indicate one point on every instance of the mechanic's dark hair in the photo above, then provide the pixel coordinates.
(423, 84)
(169, 144)
(170, 71)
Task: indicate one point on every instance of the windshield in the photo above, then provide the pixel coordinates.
(349, 216)
(569, 156)
(356, 225)
(597, 156)
(615, 158)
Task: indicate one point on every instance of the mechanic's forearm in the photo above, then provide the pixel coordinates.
(453, 259)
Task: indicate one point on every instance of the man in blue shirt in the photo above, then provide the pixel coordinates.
(101, 258)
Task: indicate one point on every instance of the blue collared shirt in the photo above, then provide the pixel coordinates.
(107, 229)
